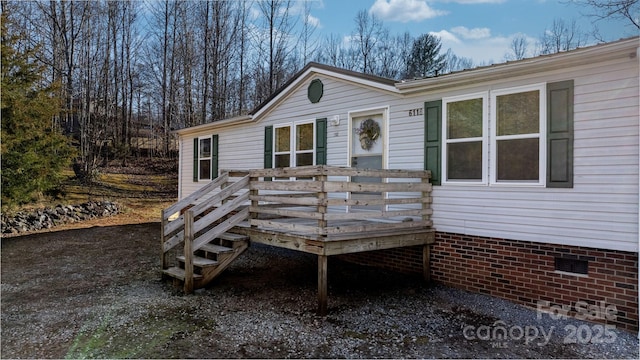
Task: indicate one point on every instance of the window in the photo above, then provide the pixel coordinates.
(205, 158)
(526, 137)
(465, 123)
(518, 135)
(294, 145)
(299, 144)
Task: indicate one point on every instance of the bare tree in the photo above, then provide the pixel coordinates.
(366, 37)
(605, 9)
(309, 45)
(519, 48)
(279, 26)
(561, 37)
(392, 54)
(454, 62)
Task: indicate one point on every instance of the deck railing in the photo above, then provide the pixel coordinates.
(326, 200)
(316, 201)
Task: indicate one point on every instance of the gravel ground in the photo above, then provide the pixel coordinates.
(96, 293)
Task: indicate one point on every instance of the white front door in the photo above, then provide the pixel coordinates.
(367, 150)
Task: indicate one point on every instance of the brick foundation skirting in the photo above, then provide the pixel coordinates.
(524, 272)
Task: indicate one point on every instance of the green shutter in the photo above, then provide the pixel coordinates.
(432, 139)
(195, 160)
(214, 156)
(321, 141)
(560, 134)
(268, 149)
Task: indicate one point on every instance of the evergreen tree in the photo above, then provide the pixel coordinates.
(425, 59)
(33, 153)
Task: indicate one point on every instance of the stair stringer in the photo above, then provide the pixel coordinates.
(209, 274)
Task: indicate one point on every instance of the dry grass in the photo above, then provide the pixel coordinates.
(142, 189)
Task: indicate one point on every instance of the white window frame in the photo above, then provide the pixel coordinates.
(293, 126)
(210, 158)
(541, 135)
(484, 138)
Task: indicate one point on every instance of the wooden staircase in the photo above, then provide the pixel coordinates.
(201, 223)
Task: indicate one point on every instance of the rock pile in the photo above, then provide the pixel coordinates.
(61, 214)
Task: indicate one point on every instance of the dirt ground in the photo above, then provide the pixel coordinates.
(96, 293)
(93, 290)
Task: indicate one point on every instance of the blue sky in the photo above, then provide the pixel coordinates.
(477, 29)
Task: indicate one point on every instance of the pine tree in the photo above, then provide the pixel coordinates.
(425, 59)
(33, 153)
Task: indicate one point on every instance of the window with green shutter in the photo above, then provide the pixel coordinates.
(301, 143)
(518, 118)
(529, 142)
(464, 138)
(205, 158)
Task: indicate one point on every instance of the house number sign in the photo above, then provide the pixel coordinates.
(416, 112)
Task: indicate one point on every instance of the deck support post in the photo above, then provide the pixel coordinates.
(322, 285)
(188, 252)
(426, 262)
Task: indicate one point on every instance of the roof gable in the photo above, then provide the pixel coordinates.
(312, 69)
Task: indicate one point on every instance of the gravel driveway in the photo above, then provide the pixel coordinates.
(97, 292)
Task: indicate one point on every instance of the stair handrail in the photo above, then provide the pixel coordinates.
(176, 231)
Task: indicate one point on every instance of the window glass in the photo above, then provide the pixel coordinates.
(304, 136)
(205, 147)
(205, 169)
(518, 159)
(283, 139)
(304, 159)
(464, 160)
(283, 160)
(464, 119)
(518, 113)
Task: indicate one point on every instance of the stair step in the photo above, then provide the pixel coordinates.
(200, 261)
(233, 237)
(178, 273)
(216, 249)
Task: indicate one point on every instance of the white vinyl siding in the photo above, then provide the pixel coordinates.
(600, 211)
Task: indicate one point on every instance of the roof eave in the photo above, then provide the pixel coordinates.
(583, 56)
(215, 125)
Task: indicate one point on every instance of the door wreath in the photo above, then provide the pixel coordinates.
(368, 132)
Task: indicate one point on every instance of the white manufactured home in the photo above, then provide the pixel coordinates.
(534, 166)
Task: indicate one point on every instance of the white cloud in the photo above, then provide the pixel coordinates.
(483, 50)
(475, 33)
(404, 10)
(314, 21)
(446, 36)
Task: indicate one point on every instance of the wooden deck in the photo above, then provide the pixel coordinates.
(337, 244)
(322, 210)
